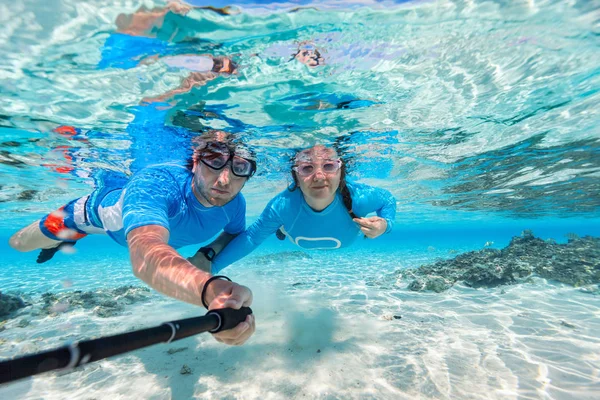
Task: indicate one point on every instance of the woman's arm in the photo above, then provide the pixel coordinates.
(367, 199)
(199, 260)
(269, 221)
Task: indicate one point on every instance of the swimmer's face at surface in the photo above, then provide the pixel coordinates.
(318, 172)
(224, 65)
(309, 55)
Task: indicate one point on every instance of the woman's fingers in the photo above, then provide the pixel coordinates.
(371, 227)
(367, 232)
(363, 222)
(368, 222)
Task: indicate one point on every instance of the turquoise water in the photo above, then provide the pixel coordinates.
(480, 117)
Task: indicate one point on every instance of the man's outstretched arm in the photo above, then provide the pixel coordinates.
(165, 270)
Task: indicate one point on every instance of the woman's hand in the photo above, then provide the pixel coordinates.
(372, 227)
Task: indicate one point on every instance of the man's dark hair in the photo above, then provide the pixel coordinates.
(212, 135)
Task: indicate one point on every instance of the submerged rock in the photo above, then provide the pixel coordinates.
(27, 194)
(437, 284)
(104, 302)
(567, 324)
(174, 350)
(575, 263)
(10, 143)
(23, 323)
(185, 370)
(9, 304)
(591, 289)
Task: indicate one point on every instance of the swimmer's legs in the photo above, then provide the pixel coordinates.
(31, 238)
(53, 232)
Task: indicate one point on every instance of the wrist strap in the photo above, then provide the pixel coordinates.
(212, 278)
(208, 252)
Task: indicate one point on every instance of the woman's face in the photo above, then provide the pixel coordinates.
(318, 171)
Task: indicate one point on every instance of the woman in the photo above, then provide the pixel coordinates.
(326, 213)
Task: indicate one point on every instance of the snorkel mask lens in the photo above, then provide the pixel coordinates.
(305, 169)
(242, 167)
(216, 155)
(328, 167)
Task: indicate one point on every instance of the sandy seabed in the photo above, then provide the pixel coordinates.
(345, 333)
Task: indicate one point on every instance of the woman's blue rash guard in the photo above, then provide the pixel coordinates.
(330, 228)
(162, 195)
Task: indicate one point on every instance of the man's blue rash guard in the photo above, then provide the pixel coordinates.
(162, 195)
(330, 228)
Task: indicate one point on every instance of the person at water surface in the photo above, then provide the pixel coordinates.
(141, 39)
(147, 21)
(137, 42)
(320, 210)
(309, 55)
(203, 68)
(160, 209)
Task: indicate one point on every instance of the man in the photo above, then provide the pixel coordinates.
(159, 209)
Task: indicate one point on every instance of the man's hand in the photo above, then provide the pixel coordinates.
(165, 270)
(225, 294)
(372, 227)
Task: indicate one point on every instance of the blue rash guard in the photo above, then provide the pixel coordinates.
(158, 195)
(125, 51)
(330, 228)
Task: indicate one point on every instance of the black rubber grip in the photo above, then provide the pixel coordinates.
(230, 318)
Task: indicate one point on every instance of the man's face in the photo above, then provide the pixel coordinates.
(215, 184)
(216, 187)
